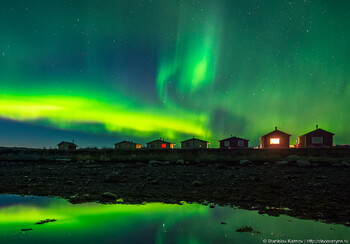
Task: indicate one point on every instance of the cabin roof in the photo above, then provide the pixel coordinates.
(196, 139)
(66, 142)
(130, 142)
(160, 141)
(233, 137)
(318, 130)
(276, 131)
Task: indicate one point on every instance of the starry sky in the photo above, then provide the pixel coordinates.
(101, 71)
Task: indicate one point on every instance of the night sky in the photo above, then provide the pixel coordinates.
(101, 71)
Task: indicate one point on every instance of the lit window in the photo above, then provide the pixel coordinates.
(317, 140)
(274, 141)
(163, 145)
(227, 143)
(240, 143)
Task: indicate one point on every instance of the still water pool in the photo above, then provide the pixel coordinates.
(149, 223)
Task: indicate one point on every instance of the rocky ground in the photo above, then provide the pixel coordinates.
(297, 188)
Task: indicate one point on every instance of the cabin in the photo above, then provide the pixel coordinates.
(127, 145)
(67, 146)
(275, 139)
(194, 143)
(315, 138)
(160, 144)
(234, 142)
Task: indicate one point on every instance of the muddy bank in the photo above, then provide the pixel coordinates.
(301, 189)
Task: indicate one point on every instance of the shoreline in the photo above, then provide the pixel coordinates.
(314, 191)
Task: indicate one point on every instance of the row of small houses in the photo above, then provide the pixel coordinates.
(274, 139)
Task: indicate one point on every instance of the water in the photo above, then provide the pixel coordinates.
(149, 223)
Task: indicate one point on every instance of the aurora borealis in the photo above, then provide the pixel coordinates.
(104, 71)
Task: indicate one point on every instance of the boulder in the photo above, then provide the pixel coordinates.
(245, 162)
(303, 163)
(154, 162)
(197, 183)
(180, 161)
(338, 165)
(282, 163)
(108, 197)
(292, 157)
(346, 164)
(114, 177)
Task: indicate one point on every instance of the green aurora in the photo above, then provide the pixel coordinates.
(175, 69)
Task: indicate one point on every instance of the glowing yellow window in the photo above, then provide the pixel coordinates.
(274, 141)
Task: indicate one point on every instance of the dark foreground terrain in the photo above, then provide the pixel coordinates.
(299, 188)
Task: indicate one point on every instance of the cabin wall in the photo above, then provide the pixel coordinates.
(284, 141)
(125, 146)
(66, 147)
(192, 144)
(327, 139)
(158, 145)
(233, 143)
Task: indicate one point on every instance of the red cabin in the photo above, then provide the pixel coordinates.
(234, 143)
(316, 138)
(275, 139)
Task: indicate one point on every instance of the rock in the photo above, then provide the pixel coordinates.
(92, 166)
(86, 196)
(154, 162)
(266, 163)
(222, 166)
(245, 229)
(69, 182)
(346, 164)
(197, 183)
(180, 161)
(114, 177)
(245, 162)
(26, 229)
(303, 163)
(108, 196)
(292, 157)
(338, 165)
(154, 182)
(282, 163)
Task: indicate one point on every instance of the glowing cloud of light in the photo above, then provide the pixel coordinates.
(70, 112)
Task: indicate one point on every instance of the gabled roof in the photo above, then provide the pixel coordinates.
(130, 142)
(69, 143)
(160, 141)
(196, 139)
(233, 137)
(277, 131)
(319, 130)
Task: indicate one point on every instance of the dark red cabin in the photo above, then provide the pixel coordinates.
(275, 139)
(233, 143)
(316, 138)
